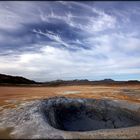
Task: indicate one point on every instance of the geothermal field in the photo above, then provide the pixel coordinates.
(69, 70)
(78, 111)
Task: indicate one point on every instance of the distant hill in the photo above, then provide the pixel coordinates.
(77, 82)
(70, 82)
(87, 82)
(18, 80)
(8, 79)
(107, 80)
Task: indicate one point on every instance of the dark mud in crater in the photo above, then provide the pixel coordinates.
(86, 114)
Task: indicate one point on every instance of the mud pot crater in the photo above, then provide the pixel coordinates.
(86, 114)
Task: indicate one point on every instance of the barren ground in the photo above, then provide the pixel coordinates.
(8, 95)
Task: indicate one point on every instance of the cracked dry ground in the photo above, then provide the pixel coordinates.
(12, 97)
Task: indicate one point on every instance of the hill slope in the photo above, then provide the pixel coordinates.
(8, 79)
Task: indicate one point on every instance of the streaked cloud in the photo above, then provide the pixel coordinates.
(68, 40)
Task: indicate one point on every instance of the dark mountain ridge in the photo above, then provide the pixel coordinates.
(8, 79)
(87, 82)
(18, 80)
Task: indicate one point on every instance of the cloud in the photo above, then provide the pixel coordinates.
(65, 40)
(52, 36)
(59, 63)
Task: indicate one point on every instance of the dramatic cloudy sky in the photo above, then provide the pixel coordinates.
(46, 41)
